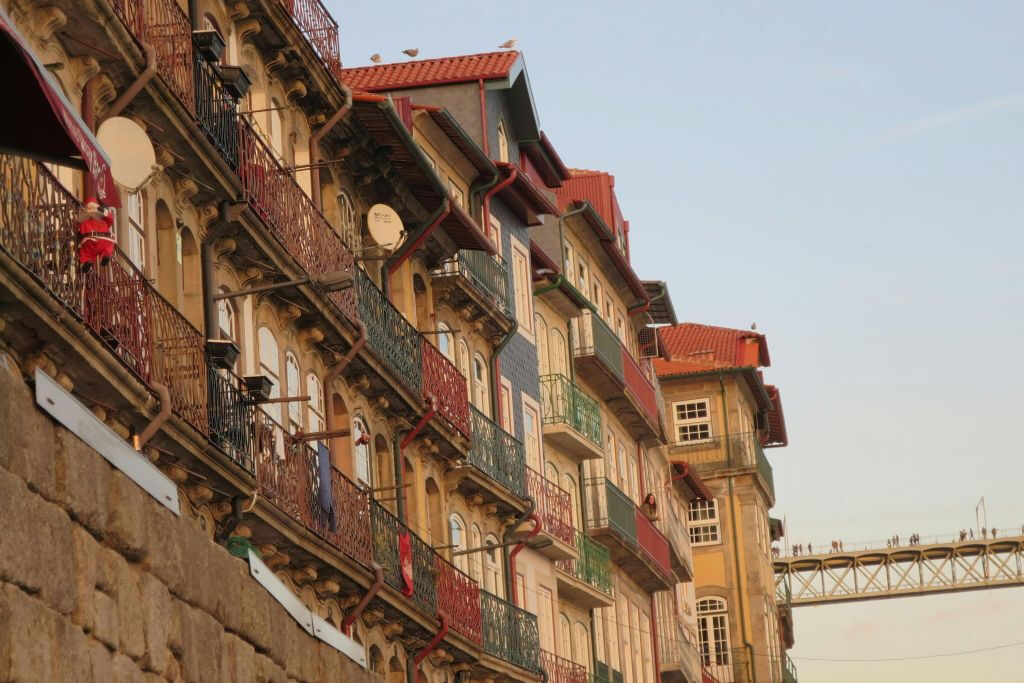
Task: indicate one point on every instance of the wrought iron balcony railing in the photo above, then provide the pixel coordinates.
(593, 337)
(564, 402)
(554, 506)
(562, 670)
(395, 342)
(232, 417)
(677, 647)
(788, 670)
(319, 29)
(593, 566)
(488, 274)
(510, 633)
(458, 596)
(216, 111)
(443, 381)
(497, 453)
(764, 468)
(608, 506)
(386, 530)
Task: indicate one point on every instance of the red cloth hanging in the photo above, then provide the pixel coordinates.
(405, 562)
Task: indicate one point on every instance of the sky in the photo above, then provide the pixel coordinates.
(848, 176)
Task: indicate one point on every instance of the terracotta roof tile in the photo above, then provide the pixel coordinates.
(425, 72)
(712, 346)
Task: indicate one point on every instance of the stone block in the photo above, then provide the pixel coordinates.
(167, 557)
(238, 659)
(101, 661)
(126, 520)
(255, 615)
(84, 559)
(82, 481)
(105, 625)
(26, 437)
(125, 670)
(27, 654)
(201, 645)
(268, 672)
(157, 612)
(71, 651)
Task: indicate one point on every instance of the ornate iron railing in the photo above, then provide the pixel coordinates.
(320, 30)
(593, 566)
(346, 523)
(788, 670)
(289, 213)
(640, 389)
(564, 402)
(609, 507)
(164, 25)
(653, 543)
(764, 468)
(458, 597)
(386, 530)
(488, 274)
(554, 506)
(676, 646)
(509, 633)
(592, 337)
(395, 342)
(497, 453)
(280, 466)
(562, 670)
(216, 111)
(443, 381)
(231, 417)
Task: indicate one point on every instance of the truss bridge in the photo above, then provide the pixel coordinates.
(897, 572)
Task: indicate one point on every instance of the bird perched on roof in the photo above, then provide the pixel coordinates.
(753, 327)
(375, 58)
(508, 44)
(412, 51)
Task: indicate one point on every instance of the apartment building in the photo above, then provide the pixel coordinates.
(722, 416)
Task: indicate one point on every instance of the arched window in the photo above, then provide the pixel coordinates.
(502, 142)
(462, 363)
(270, 367)
(135, 239)
(481, 395)
(541, 330)
(713, 632)
(457, 529)
(315, 412)
(569, 484)
(551, 473)
(564, 637)
(435, 515)
(581, 645)
(493, 581)
(476, 560)
(276, 127)
(226, 317)
(348, 223)
(558, 353)
(293, 387)
(444, 340)
(361, 452)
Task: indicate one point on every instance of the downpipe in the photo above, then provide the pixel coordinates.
(378, 583)
(314, 146)
(333, 374)
(506, 539)
(137, 85)
(412, 670)
(495, 371)
(161, 417)
(399, 462)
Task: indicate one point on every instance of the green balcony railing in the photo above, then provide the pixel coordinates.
(764, 468)
(510, 633)
(788, 670)
(385, 530)
(608, 507)
(489, 274)
(391, 338)
(564, 402)
(497, 453)
(593, 566)
(593, 337)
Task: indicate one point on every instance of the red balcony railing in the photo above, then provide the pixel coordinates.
(349, 531)
(553, 505)
(319, 29)
(164, 25)
(640, 388)
(443, 381)
(458, 598)
(290, 214)
(279, 466)
(562, 670)
(653, 543)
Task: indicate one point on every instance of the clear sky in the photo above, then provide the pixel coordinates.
(851, 177)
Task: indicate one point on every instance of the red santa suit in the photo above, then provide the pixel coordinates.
(95, 241)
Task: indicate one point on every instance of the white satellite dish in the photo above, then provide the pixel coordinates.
(385, 225)
(132, 158)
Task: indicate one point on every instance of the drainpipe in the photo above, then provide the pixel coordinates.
(194, 16)
(378, 583)
(333, 374)
(496, 371)
(154, 425)
(506, 540)
(493, 190)
(412, 673)
(654, 640)
(538, 526)
(314, 145)
(234, 519)
(400, 465)
(735, 536)
(138, 84)
(411, 245)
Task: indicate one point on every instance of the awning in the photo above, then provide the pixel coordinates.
(40, 123)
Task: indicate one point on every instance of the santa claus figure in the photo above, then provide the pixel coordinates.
(95, 242)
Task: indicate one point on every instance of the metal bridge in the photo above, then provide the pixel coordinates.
(897, 572)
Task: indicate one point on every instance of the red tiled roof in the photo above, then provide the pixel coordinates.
(426, 72)
(777, 435)
(716, 347)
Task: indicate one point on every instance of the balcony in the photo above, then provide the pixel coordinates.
(447, 386)
(477, 282)
(216, 111)
(164, 25)
(680, 660)
(458, 598)
(673, 527)
(386, 530)
(510, 633)
(788, 670)
(587, 580)
(562, 670)
(391, 338)
(572, 420)
(717, 454)
(495, 468)
(554, 507)
(607, 366)
(635, 545)
(319, 29)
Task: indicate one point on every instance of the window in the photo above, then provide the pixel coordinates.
(546, 612)
(551, 472)
(565, 636)
(492, 567)
(135, 239)
(506, 406)
(713, 631)
(569, 484)
(693, 420)
(522, 284)
(531, 435)
(348, 225)
(620, 327)
(476, 560)
(596, 300)
(270, 367)
(481, 396)
(581, 645)
(276, 127)
(315, 407)
(558, 353)
(291, 376)
(457, 529)
(502, 142)
(361, 452)
(462, 363)
(444, 340)
(703, 518)
(623, 476)
(581, 275)
(226, 320)
(567, 248)
(496, 234)
(541, 328)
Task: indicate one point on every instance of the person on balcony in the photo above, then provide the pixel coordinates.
(95, 241)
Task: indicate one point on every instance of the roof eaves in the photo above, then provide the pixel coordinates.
(611, 248)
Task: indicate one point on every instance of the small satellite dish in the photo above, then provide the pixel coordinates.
(385, 225)
(131, 153)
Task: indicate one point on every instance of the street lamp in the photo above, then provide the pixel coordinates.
(333, 281)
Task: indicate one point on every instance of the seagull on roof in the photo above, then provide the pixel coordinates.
(508, 44)
(375, 58)
(753, 327)
(412, 51)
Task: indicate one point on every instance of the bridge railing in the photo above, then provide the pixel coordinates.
(786, 550)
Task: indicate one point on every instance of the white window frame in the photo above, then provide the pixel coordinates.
(135, 221)
(524, 288)
(704, 523)
(361, 458)
(714, 637)
(531, 407)
(502, 142)
(692, 422)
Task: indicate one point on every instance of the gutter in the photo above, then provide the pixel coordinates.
(642, 308)
(412, 673)
(378, 583)
(314, 144)
(510, 585)
(333, 374)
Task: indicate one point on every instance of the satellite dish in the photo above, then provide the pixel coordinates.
(385, 225)
(131, 153)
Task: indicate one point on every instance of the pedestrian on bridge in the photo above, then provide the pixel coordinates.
(983, 533)
(993, 532)
(970, 533)
(841, 547)
(810, 549)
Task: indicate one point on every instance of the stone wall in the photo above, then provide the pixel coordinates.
(99, 582)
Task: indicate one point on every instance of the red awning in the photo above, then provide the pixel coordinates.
(40, 123)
